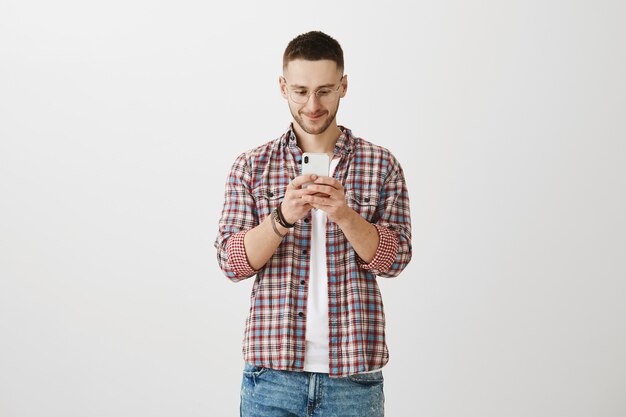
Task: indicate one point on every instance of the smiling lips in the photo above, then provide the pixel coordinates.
(314, 116)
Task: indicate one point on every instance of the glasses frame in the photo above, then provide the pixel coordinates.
(316, 92)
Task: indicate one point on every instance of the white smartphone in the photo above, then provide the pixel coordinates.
(315, 163)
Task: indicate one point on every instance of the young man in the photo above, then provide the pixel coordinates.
(315, 335)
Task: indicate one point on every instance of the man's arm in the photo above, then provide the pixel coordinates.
(262, 241)
(384, 248)
(394, 226)
(363, 235)
(243, 244)
(237, 218)
(375, 246)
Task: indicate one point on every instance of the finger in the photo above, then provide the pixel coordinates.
(299, 180)
(298, 201)
(311, 199)
(329, 181)
(298, 194)
(321, 207)
(314, 193)
(325, 189)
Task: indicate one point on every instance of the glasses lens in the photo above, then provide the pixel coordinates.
(323, 95)
(299, 97)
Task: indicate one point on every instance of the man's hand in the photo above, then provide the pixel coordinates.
(293, 206)
(327, 194)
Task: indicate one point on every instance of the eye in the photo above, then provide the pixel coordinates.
(323, 92)
(301, 92)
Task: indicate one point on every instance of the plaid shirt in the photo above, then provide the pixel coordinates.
(275, 328)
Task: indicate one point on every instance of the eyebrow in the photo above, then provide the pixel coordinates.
(316, 88)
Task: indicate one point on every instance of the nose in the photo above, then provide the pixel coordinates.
(313, 103)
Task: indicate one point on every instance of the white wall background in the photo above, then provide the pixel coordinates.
(119, 121)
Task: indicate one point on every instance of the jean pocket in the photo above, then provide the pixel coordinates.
(368, 379)
(251, 370)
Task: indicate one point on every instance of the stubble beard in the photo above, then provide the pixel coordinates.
(310, 129)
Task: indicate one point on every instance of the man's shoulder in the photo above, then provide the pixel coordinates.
(370, 150)
(367, 146)
(261, 150)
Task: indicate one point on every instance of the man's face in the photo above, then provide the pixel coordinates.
(320, 85)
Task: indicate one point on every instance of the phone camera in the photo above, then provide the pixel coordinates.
(306, 159)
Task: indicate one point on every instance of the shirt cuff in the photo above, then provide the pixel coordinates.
(386, 251)
(237, 259)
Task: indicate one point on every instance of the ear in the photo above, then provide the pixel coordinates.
(282, 85)
(344, 86)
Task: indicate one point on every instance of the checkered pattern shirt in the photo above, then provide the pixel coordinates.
(275, 328)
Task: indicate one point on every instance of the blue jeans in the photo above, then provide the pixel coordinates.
(271, 393)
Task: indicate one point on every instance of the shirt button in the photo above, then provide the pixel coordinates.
(299, 160)
(306, 220)
(301, 314)
(270, 194)
(304, 251)
(302, 282)
(367, 199)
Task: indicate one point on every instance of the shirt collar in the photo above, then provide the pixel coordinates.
(344, 144)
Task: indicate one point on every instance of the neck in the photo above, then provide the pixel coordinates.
(322, 143)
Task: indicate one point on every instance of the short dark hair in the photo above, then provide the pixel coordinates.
(314, 46)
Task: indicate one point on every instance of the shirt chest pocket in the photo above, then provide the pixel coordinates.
(364, 202)
(267, 199)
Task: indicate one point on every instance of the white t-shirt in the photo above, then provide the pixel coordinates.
(316, 354)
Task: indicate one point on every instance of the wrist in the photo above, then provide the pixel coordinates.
(279, 230)
(281, 217)
(349, 219)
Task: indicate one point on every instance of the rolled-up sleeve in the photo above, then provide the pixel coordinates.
(394, 226)
(238, 216)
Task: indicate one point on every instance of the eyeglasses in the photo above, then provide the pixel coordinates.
(325, 94)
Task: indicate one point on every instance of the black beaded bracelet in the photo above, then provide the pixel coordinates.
(281, 218)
